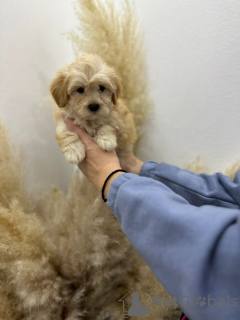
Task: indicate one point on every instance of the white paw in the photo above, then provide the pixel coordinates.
(75, 152)
(107, 143)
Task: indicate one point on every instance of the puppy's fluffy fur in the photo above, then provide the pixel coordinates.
(88, 91)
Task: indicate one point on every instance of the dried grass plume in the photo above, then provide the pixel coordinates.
(114, 34)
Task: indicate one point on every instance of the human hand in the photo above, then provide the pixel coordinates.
(98, 164)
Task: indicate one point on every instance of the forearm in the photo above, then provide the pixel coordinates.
(185, 246)
(197, 189)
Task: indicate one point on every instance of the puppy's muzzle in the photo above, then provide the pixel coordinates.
(93, 107)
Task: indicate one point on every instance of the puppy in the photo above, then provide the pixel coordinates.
(88, 91)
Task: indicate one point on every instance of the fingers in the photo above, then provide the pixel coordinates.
(83, 135)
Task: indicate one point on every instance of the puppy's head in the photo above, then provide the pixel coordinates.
(87, 88)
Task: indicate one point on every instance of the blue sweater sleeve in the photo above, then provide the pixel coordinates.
(197, 189)
(193, 251)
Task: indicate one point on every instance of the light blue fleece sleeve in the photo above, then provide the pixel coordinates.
(193, 251)
(198, 189)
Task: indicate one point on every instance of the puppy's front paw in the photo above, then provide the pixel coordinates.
(75, 152)
(107, 143)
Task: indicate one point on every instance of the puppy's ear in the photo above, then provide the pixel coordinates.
(58, 89)
(118, 89)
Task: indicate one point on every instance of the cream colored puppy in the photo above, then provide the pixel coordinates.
(87, 91)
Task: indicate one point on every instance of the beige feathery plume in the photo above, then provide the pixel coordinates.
(67, 256)
(114, 34)
(232, 170)
(197, 166)
(11, 173)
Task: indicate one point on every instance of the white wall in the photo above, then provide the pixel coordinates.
(192, 51)
(32, 50)
(193, 54)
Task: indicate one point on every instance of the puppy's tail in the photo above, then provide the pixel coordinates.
(11, 173)
(110, 30)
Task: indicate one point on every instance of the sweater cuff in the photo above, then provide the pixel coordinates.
(148, 169)
(115, 186)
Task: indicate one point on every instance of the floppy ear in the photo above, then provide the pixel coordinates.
(58, 89)
(117, 92)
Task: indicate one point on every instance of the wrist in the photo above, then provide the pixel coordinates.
(108, 182)
(134, 165)
(138, 166)
(104, 173)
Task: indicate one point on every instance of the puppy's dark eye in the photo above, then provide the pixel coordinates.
(101, 88)
(80, 90)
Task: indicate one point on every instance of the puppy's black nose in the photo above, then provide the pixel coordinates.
(93, 107)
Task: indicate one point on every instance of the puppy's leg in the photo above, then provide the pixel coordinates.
(106, 138)
(69, 142)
